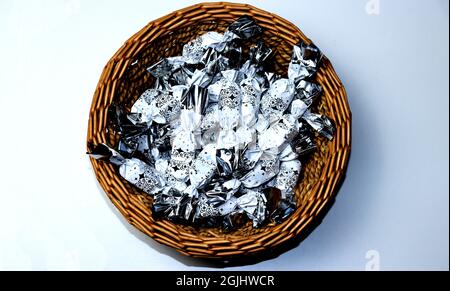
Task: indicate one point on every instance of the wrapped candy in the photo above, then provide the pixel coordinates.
(265, 169)
(203, 167)
(133, 170)
(229, 99)
(282, 211)
(207, 207)
(210, 124)
(165, 67)
(180, 163)
(251, 157)
(222, 188)
(227, 161)
(254, 205)
(196, 99)
(166, 204)
(259, 55)
(244, 28)
(304, 143)
(214, 62)
(282, 131)
(194, 50)
(251, 98)
(277, 99)
(165, 168)
(211, 117)
(121, 123)
(174, 205)
(304, 62)
(156, 106)
(144, 110)
(307, 92)
(320, 123)
(199, 78)
(218, 139)
(187, 135)
(287, 177)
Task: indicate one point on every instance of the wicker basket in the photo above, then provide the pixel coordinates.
(125, 78)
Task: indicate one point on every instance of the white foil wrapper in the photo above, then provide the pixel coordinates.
(203, 167)
(205, 209)
(265, 169)
(287, 178)
(156, 106)
(180, 164)
(277, 99)
(141, 175)
(135, 171)
(194, 50)
(144, 109)
(164, 167)
(251, 157)
(254, 205)
(251, 99)
(282, 131)
(211, 117)
(187, 136)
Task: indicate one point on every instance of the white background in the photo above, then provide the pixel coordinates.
(394, 64)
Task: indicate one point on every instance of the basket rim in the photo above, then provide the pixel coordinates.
(109, 76)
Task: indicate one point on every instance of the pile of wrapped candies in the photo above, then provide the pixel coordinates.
(218, 137)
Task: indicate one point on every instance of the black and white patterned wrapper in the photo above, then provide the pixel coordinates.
(277, 99)
(135, 171)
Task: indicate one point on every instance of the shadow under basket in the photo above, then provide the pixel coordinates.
(125, 78)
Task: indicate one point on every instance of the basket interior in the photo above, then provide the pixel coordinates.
(136, 80)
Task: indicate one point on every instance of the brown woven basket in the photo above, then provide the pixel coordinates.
(125, 78)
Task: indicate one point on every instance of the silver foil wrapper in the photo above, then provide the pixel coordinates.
(165, 67)
(253, 203)
(173, 205)
(320, 123)
(245, 28)
(304, 62)
(227, 161)
(135, 171)
(259, 55)
(304, 144)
